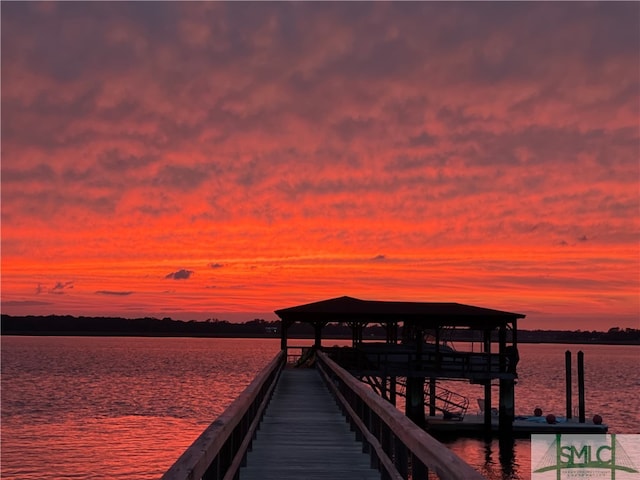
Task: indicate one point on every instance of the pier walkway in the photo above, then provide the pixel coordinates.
(314, 423)
(303, 434)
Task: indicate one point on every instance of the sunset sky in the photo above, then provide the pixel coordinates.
(200, 160)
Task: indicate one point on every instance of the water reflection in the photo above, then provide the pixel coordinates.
(507, 456)
(495, 458)
(62, 397)
(115, 408)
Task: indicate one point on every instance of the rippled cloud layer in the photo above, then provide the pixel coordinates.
(277, 153)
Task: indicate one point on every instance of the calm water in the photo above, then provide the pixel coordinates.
(84, 407)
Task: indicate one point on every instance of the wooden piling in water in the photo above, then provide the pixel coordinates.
(567, 365)
(581, 386)
(506, 408)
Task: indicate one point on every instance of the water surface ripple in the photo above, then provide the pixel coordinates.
(125, 408)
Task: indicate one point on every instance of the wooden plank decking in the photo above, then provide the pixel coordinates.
(304, 435)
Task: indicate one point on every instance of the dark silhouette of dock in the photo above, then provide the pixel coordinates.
(304, 435)
(335, 417)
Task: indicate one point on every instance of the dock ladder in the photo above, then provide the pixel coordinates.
(452, 405)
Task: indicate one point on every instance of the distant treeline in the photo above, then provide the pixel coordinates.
(628, 336)
(148, 326)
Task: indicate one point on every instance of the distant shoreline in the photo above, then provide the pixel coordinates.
(275, 337)
(67, 325)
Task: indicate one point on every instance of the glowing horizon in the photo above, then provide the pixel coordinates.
(199, 160)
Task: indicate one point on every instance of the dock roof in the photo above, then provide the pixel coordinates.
(427, 314)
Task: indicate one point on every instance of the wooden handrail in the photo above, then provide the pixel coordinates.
(431, 453)
(299, 350)
(464, 362)
(382, 456)
(229, 435)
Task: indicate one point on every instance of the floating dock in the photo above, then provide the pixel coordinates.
(473, 425)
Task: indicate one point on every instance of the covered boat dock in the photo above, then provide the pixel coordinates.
(415, 355)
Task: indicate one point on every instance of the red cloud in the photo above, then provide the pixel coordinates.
(455, 137)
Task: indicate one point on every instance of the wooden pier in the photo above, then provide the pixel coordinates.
(304, 435)
(337, 418)
(315, 423)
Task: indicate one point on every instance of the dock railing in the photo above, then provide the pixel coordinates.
(454, 364)
(297, 352)
(398, 448)
(221, 449)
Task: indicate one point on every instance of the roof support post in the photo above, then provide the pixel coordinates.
(502, 347)
(392, 332)
(356, 329)
(354, 333)
(318, 326)
(283, 334)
